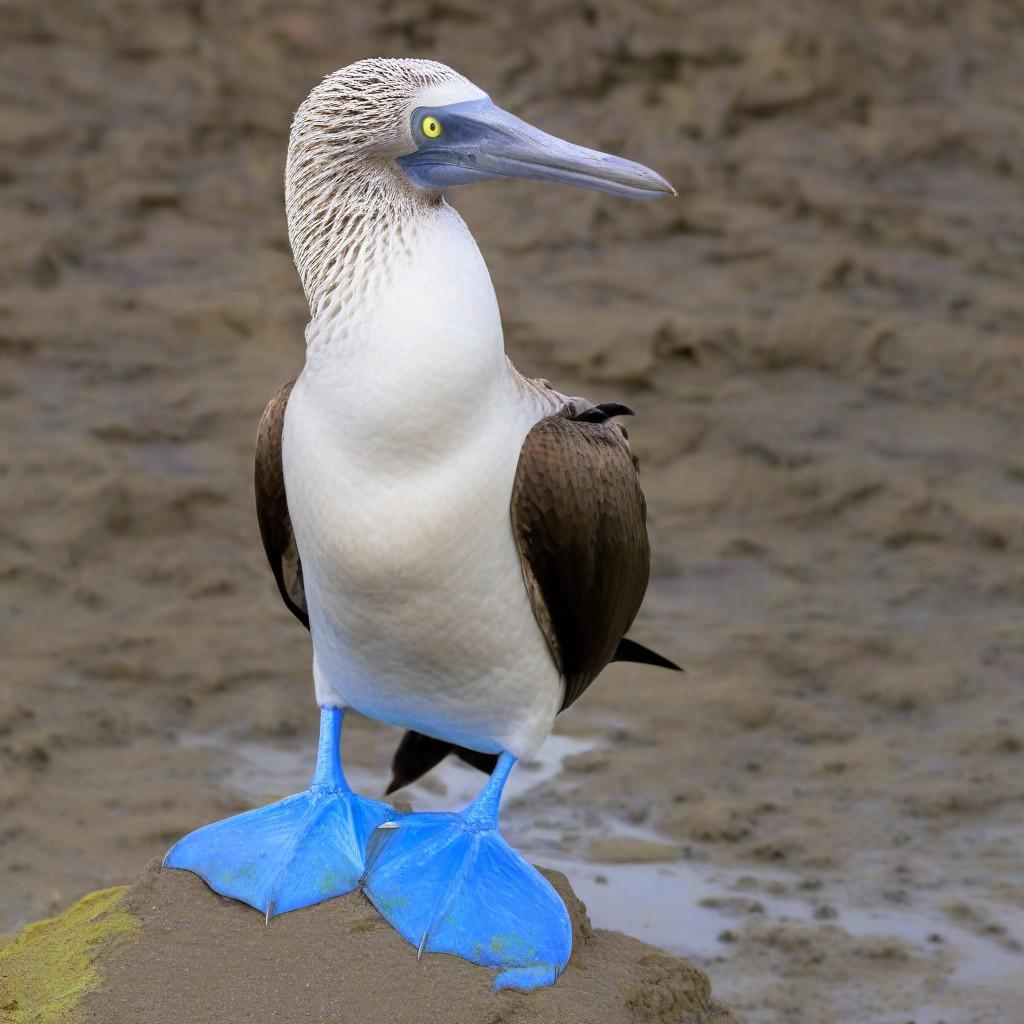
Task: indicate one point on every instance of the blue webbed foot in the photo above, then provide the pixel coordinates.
(293, 853)
(449, 883)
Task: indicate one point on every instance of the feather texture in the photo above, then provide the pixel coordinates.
(579, 520)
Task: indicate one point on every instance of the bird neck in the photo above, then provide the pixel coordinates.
(404, 316)
(342, 219)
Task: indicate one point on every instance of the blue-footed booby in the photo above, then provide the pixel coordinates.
(466, 545)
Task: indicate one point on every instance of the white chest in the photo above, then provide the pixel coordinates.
(400, 448)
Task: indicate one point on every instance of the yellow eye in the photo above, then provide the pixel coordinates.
(431, 127)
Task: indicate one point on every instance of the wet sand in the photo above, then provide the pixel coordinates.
(823, 342)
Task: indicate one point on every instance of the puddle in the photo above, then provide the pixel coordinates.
(665, 904)
(659, 903)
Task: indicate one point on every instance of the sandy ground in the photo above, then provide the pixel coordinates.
(822, 338)
(168, 948)
(193, 942)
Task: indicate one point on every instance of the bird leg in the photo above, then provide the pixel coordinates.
(449, 883)
(293, 853)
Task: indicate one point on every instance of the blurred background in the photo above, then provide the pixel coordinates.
(823, 338)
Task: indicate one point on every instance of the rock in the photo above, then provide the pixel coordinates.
(168, 949)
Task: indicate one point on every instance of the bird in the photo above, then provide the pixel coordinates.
(466, 545)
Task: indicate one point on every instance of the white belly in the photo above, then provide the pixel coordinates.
(401, 442)
(418, 609)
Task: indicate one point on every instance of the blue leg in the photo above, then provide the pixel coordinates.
(296, 852)
(450, 884)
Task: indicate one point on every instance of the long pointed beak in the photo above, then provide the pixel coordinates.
(477, 141)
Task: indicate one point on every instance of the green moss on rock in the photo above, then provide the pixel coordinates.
(48, 967)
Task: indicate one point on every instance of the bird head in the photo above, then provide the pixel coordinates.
(437, 130)
(384, 134)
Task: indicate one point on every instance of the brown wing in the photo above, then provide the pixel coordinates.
(580, 523)
(272, 507)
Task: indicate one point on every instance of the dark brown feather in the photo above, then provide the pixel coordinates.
(417, 754)
(579, 519)
(630, 650)
(272, 506)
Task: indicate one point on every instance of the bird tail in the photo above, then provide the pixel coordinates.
(630, 650)
(417, 754)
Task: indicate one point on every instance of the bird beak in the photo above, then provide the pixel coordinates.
(477, 141)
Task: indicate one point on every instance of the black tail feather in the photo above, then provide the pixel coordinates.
(602, 412)
(630, 650)
(417, 754)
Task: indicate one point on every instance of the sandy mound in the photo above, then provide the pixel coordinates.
(171, 950)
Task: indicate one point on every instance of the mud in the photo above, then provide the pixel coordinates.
(823, 341)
